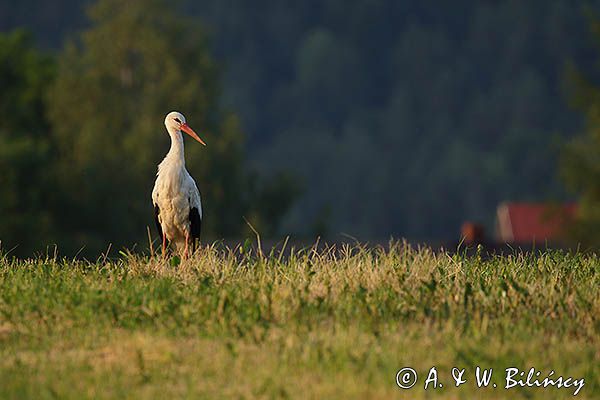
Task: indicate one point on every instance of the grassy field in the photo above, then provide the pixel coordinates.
(320, 325)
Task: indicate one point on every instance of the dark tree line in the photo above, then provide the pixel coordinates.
(403, 118)
(394, 118)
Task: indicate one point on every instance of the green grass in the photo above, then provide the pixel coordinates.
(333, 324)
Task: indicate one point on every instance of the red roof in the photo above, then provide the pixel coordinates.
(533, 222)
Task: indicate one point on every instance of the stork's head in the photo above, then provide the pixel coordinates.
(175, 121)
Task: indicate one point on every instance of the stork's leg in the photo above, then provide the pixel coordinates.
(164, 245)
(187, 243)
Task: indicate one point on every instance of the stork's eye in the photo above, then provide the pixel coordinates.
(177, 119)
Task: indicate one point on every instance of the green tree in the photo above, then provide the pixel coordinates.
(25, 181)
(580, 169)
(580, 161)
(137, 62)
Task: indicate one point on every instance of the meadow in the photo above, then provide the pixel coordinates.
(314, 324)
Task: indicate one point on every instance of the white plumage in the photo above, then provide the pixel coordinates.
(176, 200)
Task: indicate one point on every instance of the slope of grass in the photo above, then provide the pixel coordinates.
(329, 324)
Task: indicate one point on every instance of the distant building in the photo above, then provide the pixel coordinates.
(533, 222)
(472, 233)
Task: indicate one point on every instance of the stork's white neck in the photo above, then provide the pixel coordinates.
(176, 152)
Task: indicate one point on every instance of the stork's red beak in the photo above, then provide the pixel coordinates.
(190, 131)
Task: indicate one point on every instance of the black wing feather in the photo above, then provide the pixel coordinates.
(195, 225)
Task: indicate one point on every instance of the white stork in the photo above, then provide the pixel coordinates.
(177, 206)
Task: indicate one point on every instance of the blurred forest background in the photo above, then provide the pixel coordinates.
(369, 118)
